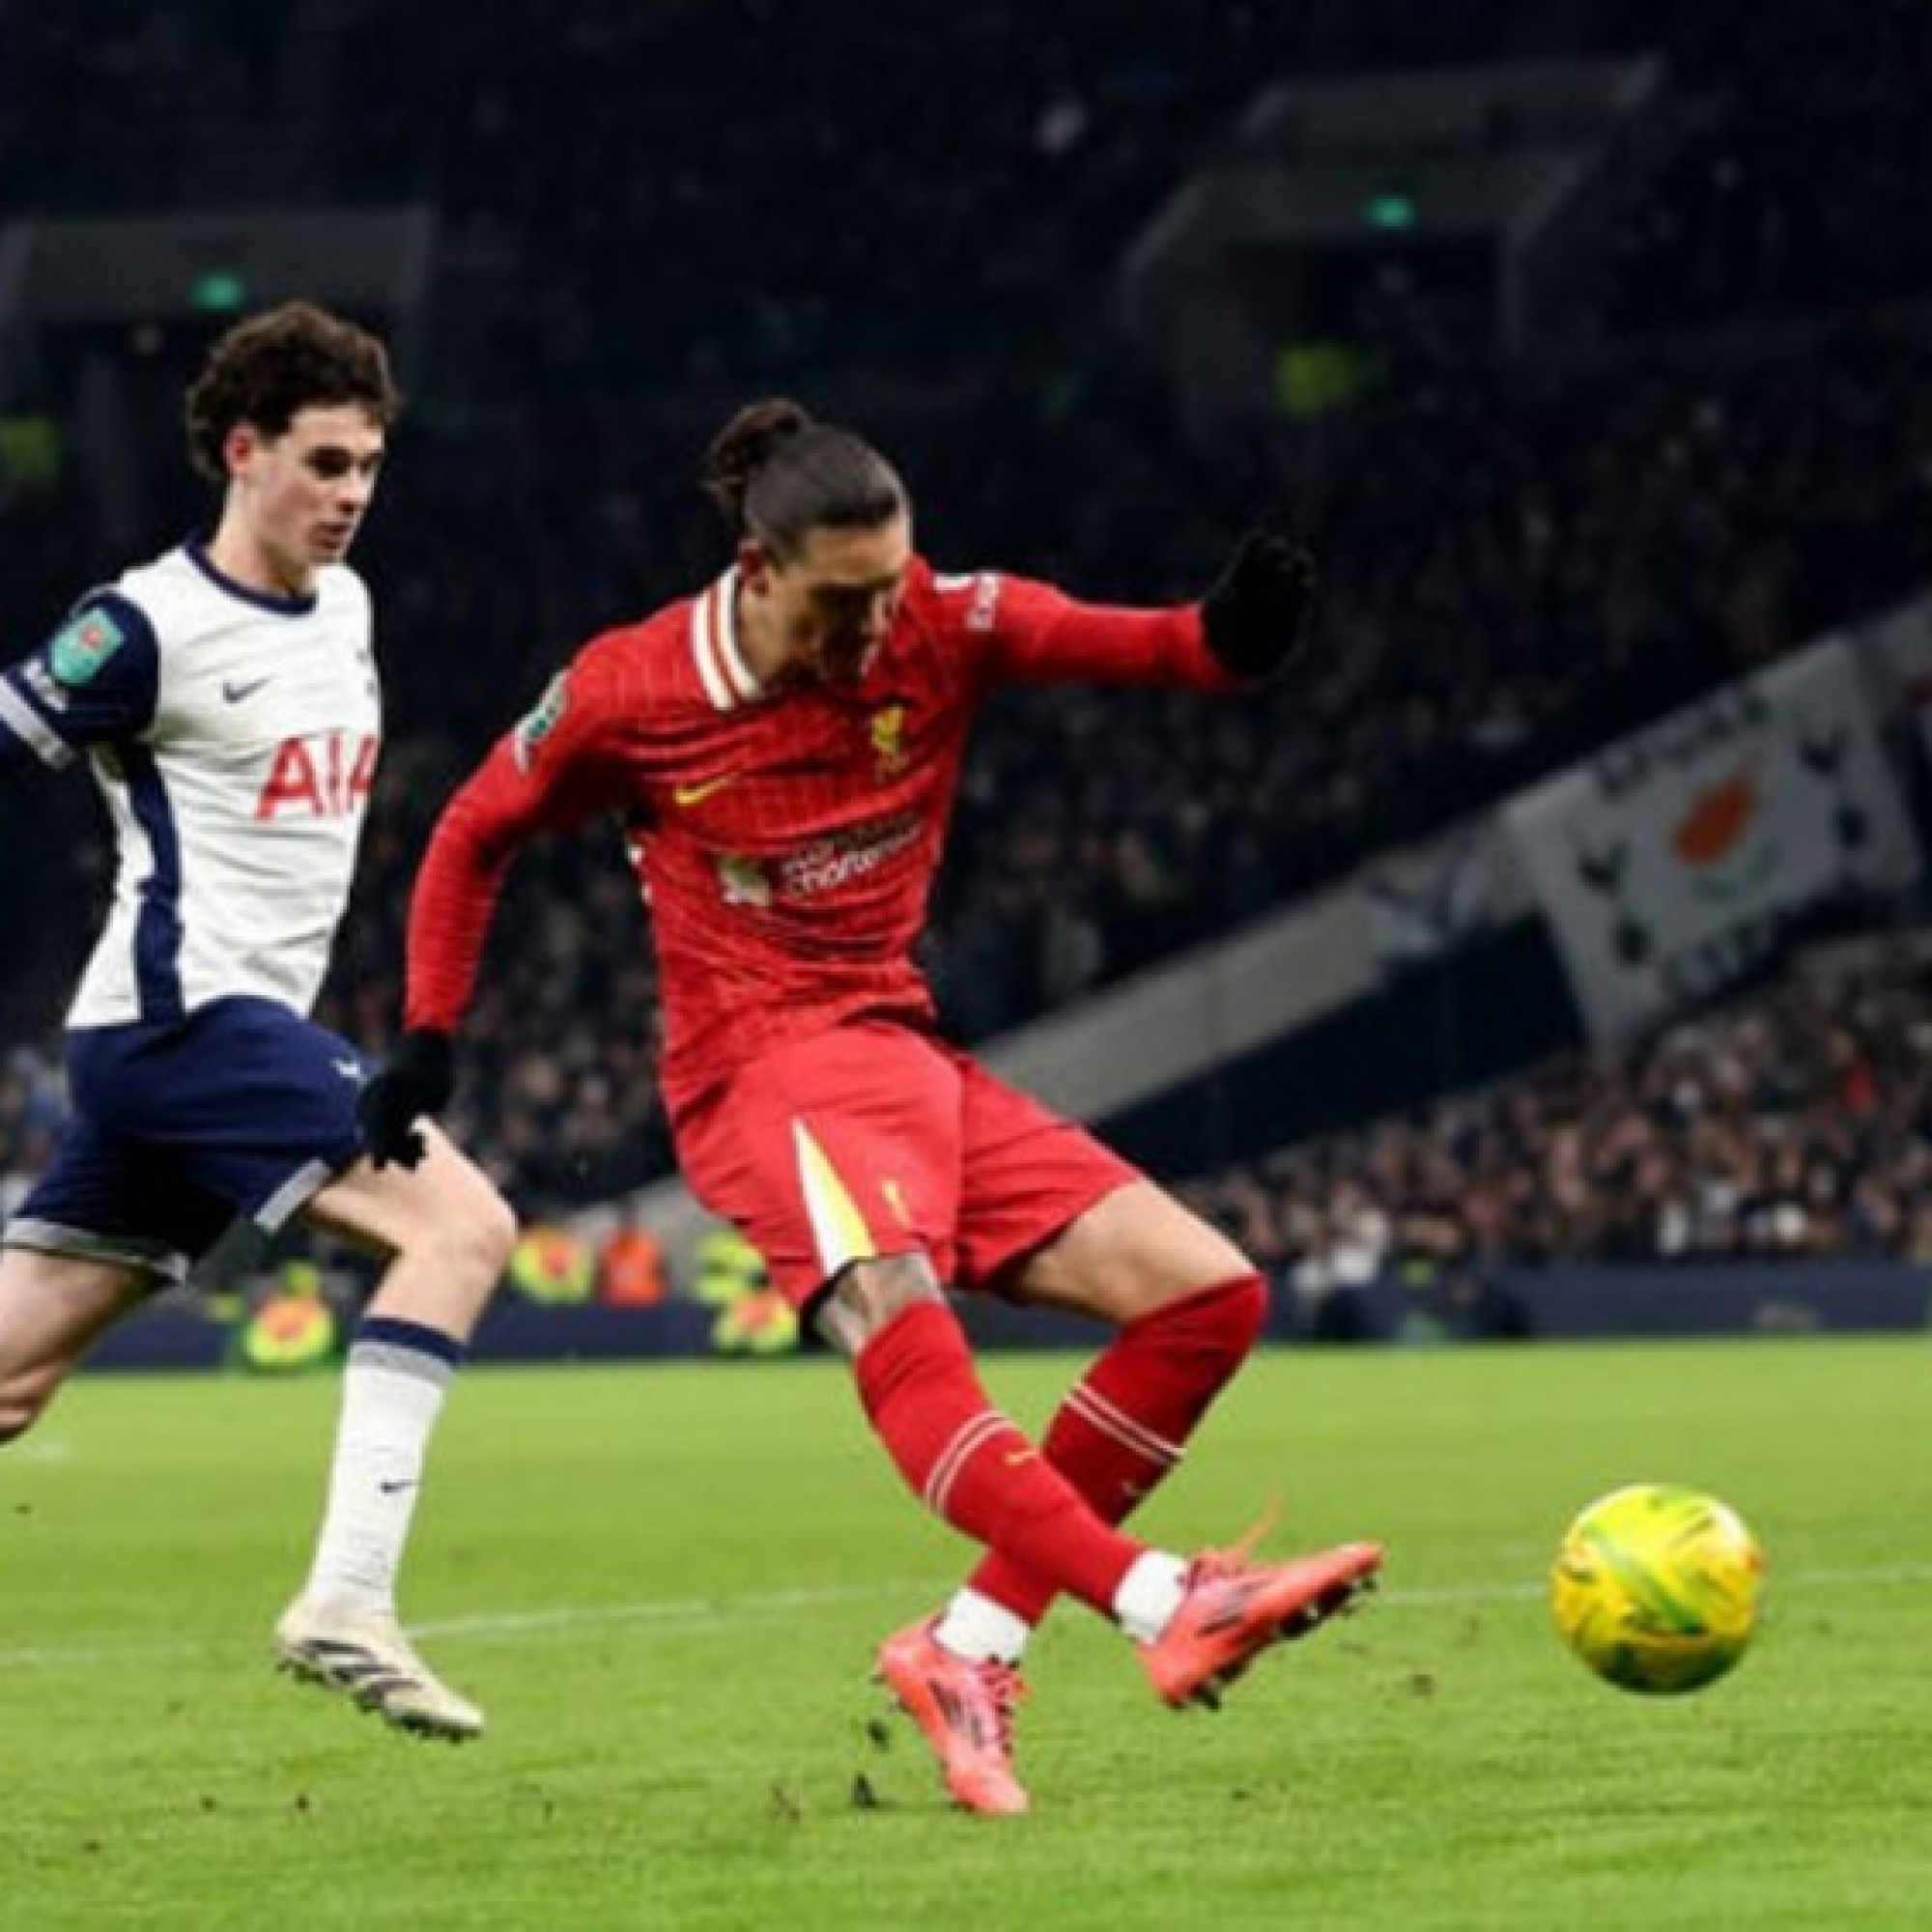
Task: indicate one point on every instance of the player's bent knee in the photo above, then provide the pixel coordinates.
(469, 1232)
(1218, 1326)
(493, 1232)
(869, 1294)
(476, 1246)
(1244, 1319)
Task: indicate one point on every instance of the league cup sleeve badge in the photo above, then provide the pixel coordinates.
(540, 721)
(84, 645)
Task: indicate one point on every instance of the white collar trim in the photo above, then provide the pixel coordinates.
(727, 679)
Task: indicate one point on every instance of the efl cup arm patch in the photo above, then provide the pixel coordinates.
(539, 722)
(95, 680)
(82, 647)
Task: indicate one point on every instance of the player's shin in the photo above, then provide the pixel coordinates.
(392, 1392)
(341, 1632)
(1121, 1431)
(972, 1468)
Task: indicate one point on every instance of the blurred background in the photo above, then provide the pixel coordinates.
(1559, 933)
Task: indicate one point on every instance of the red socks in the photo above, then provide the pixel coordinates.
(1125, 1423)
(976, 1469)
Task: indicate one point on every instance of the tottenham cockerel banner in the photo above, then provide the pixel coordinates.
(1671, 863)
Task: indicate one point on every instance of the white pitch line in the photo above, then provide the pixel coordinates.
(1435, 1596)
(667, 1614)
(674, 1610)
(678, 1613)
(694, 1610)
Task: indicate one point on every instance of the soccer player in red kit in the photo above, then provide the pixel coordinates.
(783, 752)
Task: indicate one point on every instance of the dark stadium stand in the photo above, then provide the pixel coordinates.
(1521, 562)
(1789, 1123)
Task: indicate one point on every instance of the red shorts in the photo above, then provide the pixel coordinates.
(873, 1139)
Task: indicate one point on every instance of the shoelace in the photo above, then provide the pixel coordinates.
(402, 1661)
(1239, 1555)
(1006, 1688)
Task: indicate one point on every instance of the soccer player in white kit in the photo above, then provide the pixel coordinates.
(224, 697)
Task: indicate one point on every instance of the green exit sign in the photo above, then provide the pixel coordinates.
(218, 292)
(1391, 212)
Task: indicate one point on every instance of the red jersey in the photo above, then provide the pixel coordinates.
(786, 842)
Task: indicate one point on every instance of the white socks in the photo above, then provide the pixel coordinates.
(392, 1391)
(977, 1628)
(1149, 1594)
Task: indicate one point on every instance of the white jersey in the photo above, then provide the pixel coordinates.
(233, 737)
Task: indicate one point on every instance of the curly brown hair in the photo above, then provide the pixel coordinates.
(265, 369)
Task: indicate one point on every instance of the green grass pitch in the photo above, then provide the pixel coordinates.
(665, 1584)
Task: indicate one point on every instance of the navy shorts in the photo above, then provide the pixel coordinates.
(243, 1109)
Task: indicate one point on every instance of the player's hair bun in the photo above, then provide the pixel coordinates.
(743, 446)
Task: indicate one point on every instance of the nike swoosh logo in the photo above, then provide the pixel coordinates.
(235, 689)
(689, 795)
(394, 1489)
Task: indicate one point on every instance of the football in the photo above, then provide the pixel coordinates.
(1657, 1587)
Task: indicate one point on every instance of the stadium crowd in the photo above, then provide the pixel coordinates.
(1516, 570)
(1794, 1123)
(1572, 567)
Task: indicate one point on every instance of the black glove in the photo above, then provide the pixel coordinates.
(1262, 609)
(415, 1081)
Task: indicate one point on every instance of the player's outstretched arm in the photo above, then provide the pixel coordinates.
(1260, 613)
(451, 906)
(1256, 617)
(550, 774)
